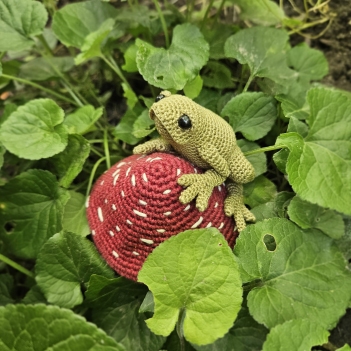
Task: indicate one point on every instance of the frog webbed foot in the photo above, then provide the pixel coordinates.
(199, 186)
(234, 206)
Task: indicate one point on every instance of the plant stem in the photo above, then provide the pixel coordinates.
(92, 174)
(218, 12)
(179, 328)
(264, 149)
(206, 13)
(35, 85)
(248, 83)
(16, 266)
(107, 150)
(163, 22)
(113, 65)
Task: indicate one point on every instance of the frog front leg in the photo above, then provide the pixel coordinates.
(202, 185)
(158, 144)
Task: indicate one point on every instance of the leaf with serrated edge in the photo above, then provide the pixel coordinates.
(265, 57)
(252, 114)
(195, 272)
(69, 163)
(304, 277)
(82, 120)
(74, 22)
(141, 126)
(181, 63)
(308, 215)
(35, 130)
(259, 191)
(65, 262)
(33, 204)
(318, 165)
(296, 335)
(41, 327)
(20, 20)
(245, 335)
(74, 217)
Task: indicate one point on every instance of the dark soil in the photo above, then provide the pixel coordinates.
(336, 45)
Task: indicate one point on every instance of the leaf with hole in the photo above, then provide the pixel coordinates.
(304, 277)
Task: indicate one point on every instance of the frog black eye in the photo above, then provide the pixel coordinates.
(184, 122)
(159, 97)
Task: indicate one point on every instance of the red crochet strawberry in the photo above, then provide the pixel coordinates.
(134, 206)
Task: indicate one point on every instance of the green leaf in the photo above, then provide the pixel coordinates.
(34, 296)
(74, 22)
(344, 243)
(32, 204)
(2, 153)
(258, 161)
(280, 158)
(181, 63)
(92, 43)
(264, 56)
(310, 63)
(193, 88)
(141, 126)
(20, 20)
(318, 165)
(129, 94)
(82, 120)
(259, 191)
(40, 327)
(43, 68)
(217, 75)
(346, 347)
(74, 216)
(296, 335)
(124, 129)
(7, 111)
(148, 304)
(263, 12)
(123, 322)
(308, 215)
(294, 103)
(103, 292)
(277, 207)
(194, 273)
(6, 286)
(252, 114)
(130, 59)
(66, 261)
(35, 130)
(69, 163)
(297, 126)
(304, 276)
(208, 98)
(245, 335)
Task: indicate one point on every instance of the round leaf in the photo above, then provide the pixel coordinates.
(181, 63)
(65, 262)
(194, 271)
(298, 274)
(40, 327)
(35, 130)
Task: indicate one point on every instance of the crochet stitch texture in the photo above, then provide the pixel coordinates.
(134, 207)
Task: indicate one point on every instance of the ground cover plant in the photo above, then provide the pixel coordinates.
(76, 81)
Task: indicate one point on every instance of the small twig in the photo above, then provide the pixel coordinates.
(17, 266)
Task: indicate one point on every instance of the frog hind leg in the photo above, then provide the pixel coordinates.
(234, 206)
(199, 186)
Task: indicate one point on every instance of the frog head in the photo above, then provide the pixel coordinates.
(176, 117)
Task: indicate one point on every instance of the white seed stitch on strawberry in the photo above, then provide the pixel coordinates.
(143, 209)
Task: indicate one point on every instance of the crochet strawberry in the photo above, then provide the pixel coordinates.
(134, 207)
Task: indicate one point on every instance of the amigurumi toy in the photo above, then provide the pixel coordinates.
(207, 141)
(134, 206)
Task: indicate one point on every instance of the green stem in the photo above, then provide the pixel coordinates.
(206, 13)
(219, 12)
(92, 174)
(16, 266)
(264, 149)
(107, 150)
(163, 22)
(35, 85)
(179, 328)
(45, 44)
(248, 83)
(114, 66)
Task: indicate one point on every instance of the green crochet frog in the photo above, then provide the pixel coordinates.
(208, 141)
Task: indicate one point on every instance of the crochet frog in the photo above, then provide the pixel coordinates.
(208, 141)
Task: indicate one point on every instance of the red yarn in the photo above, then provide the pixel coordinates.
(134, 206)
